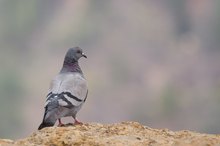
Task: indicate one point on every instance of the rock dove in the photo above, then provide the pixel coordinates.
(68, 91)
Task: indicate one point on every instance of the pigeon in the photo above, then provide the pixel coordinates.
(68, 91)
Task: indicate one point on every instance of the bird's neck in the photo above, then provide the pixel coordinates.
(71, 67)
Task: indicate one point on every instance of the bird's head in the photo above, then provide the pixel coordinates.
(74, 54)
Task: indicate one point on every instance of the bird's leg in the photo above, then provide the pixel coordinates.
(76, 121)
(60, 123)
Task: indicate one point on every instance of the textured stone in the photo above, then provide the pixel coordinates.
(121, 134)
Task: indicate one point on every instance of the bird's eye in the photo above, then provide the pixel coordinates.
(78, 51)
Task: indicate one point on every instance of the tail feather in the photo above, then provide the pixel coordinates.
(44, 124)
(50, 115)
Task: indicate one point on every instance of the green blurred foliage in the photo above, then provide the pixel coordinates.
(170, 102)
(11, 89)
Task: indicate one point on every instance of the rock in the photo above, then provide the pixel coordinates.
(121, 134)
(4, 142)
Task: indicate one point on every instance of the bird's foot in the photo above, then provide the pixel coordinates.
(77, 122)
(60, 123)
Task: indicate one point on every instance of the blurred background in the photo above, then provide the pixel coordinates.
(152, 61)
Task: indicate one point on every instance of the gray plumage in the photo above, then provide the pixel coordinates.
(68, 90)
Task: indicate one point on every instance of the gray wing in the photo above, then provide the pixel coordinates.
(68, 89)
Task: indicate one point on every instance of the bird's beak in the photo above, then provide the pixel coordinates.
(84, 55)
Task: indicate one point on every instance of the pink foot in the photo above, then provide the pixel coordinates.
(77, 122)
(60, 123)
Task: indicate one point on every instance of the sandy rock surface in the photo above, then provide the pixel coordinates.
(121, 134)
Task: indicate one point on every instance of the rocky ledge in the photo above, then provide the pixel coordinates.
(121, 134)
